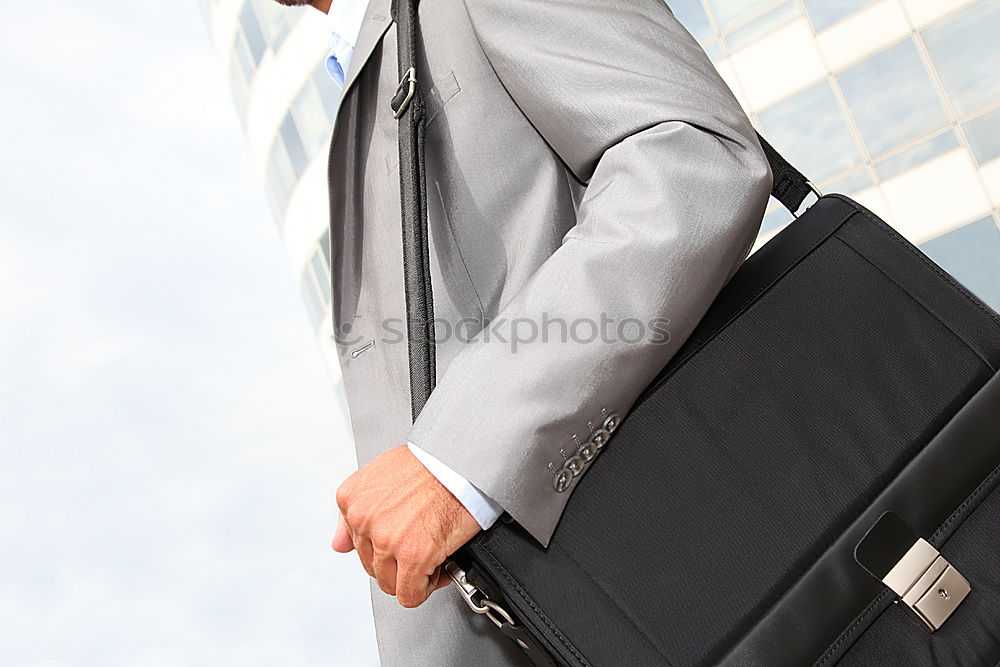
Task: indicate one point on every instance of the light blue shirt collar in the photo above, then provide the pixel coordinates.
(346, 17)
(339, 58)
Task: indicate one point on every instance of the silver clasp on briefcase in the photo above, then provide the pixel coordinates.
(927, 584)
(470, 592)
(913, 569)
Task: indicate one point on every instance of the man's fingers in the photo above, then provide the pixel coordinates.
(402, 523)
(439, 579)
(366, 554)
(385, 573)
(342, 541)
(412, 585)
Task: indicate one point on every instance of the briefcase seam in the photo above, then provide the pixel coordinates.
(541, 614)
(939, 539)
(941, 535)
(520, 591)
(917, 301)
(845, 635)
(618, 607)
(746, 305)
(883, 227)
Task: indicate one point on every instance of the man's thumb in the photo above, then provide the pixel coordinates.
(342, 542)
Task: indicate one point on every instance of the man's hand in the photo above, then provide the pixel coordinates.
(403, 522)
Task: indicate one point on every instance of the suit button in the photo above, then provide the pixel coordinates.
(575, 465)
(600, 437)
(612, 422)
(562, 480)
(588, 451)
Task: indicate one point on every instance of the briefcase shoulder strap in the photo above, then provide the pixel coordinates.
(408, 108)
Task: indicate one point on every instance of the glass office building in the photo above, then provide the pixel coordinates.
(273, 57)
(894, 102)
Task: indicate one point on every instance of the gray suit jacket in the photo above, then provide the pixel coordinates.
(588, 172)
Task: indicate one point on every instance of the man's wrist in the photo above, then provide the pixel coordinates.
(482, 508)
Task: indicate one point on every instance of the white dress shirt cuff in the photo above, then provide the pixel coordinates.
(482, 508)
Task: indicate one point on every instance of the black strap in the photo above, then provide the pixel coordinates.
(408, 106)
(790, 187)
(528, 644)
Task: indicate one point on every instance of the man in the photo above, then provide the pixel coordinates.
(585, 164)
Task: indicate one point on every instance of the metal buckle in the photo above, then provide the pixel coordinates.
(469, 592)
(796, 214)
(409, 78)
(928, 584)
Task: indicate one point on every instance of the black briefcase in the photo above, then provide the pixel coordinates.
(824, 445)
(840, 376)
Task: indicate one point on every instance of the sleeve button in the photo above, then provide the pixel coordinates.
(612, 422)
(600, 437)
(562, 480)
(575, 465)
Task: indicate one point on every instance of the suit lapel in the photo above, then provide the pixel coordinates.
(374, 26)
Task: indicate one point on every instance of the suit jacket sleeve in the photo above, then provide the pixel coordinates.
(676, 189)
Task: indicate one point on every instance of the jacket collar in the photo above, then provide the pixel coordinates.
(374, 26)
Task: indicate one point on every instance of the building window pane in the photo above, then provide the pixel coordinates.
(238, 87)
(276, 21)
(322, 275)
(316, 308)
(825, 13)
(691, 14)
(252, 32)
(964, 50)
(775, 219)
(324, 245)
(846, 185)
(293, 144)
(271, 14)
(714, 51)
(244, 57)
(730, 13)
(310, 119)
(971, 254)
(280, 177)
(762, 26)
(915, 155)
(891, 97)
(809, 129)
(983, 134)
(328, 91)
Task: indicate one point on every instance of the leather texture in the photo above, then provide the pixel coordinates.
(885, 543)
(839, 375)
(559, 185)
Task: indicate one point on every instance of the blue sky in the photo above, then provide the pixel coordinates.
(168, 441)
